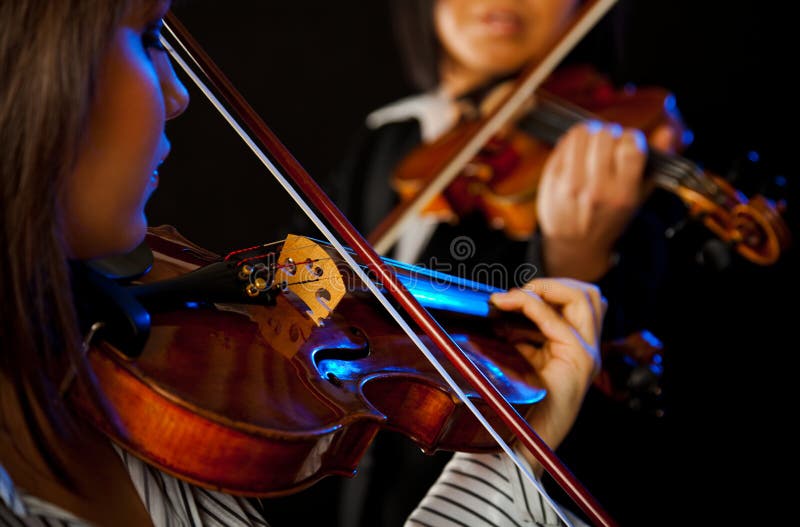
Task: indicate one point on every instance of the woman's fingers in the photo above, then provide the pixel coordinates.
(579, 303)
(567, 312)
(532, 306)
(630, 156)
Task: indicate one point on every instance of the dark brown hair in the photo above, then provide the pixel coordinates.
(49, 55)
(416, 39)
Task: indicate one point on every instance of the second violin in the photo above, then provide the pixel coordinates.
(501, 182)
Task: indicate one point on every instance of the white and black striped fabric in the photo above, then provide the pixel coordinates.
(474, 490)
(485, 490)
(171, 503)
(20, 510)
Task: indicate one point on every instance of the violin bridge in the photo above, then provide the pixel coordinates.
(306, 269)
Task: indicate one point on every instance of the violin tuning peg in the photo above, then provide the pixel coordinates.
(745, 171)
(245, 272)
(777, 187)
(673, 230)
(715, 254)
(780, 206)
(750, 173)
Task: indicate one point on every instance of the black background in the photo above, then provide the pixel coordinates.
(313, 70)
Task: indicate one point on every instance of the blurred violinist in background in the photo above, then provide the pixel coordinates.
(596, 219)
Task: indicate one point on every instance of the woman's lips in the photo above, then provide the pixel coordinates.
(152, 183)
(165, 152)
(502, 22)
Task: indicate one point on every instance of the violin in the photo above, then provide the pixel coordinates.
(501, 180)
(277, 361)
(278, 395)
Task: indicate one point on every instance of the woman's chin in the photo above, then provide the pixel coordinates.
(499, 66)
(124, 242)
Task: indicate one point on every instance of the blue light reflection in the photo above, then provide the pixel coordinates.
(445, 292)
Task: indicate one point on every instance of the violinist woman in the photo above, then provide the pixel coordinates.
(85, 93)
(589, 195)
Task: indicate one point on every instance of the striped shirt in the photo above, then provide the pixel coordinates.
(170, 502)
(474, 490)
(485, 490)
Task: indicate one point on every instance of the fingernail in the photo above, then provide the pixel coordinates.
(641, 141)
(593, 126)
(498, 297)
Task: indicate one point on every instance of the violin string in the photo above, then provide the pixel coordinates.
(317, 221)
(248, 249)
(309, 281)
(412, 270)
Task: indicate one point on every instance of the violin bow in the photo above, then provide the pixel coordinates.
(266, 139)
(389, 230)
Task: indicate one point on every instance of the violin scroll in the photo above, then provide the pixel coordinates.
(762, 232)
(755, 227)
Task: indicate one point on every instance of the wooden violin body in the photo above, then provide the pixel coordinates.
(258, 400)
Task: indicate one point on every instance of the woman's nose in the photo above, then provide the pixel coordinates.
(176, 96)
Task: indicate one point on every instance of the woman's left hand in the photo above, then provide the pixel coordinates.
(570, 315)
